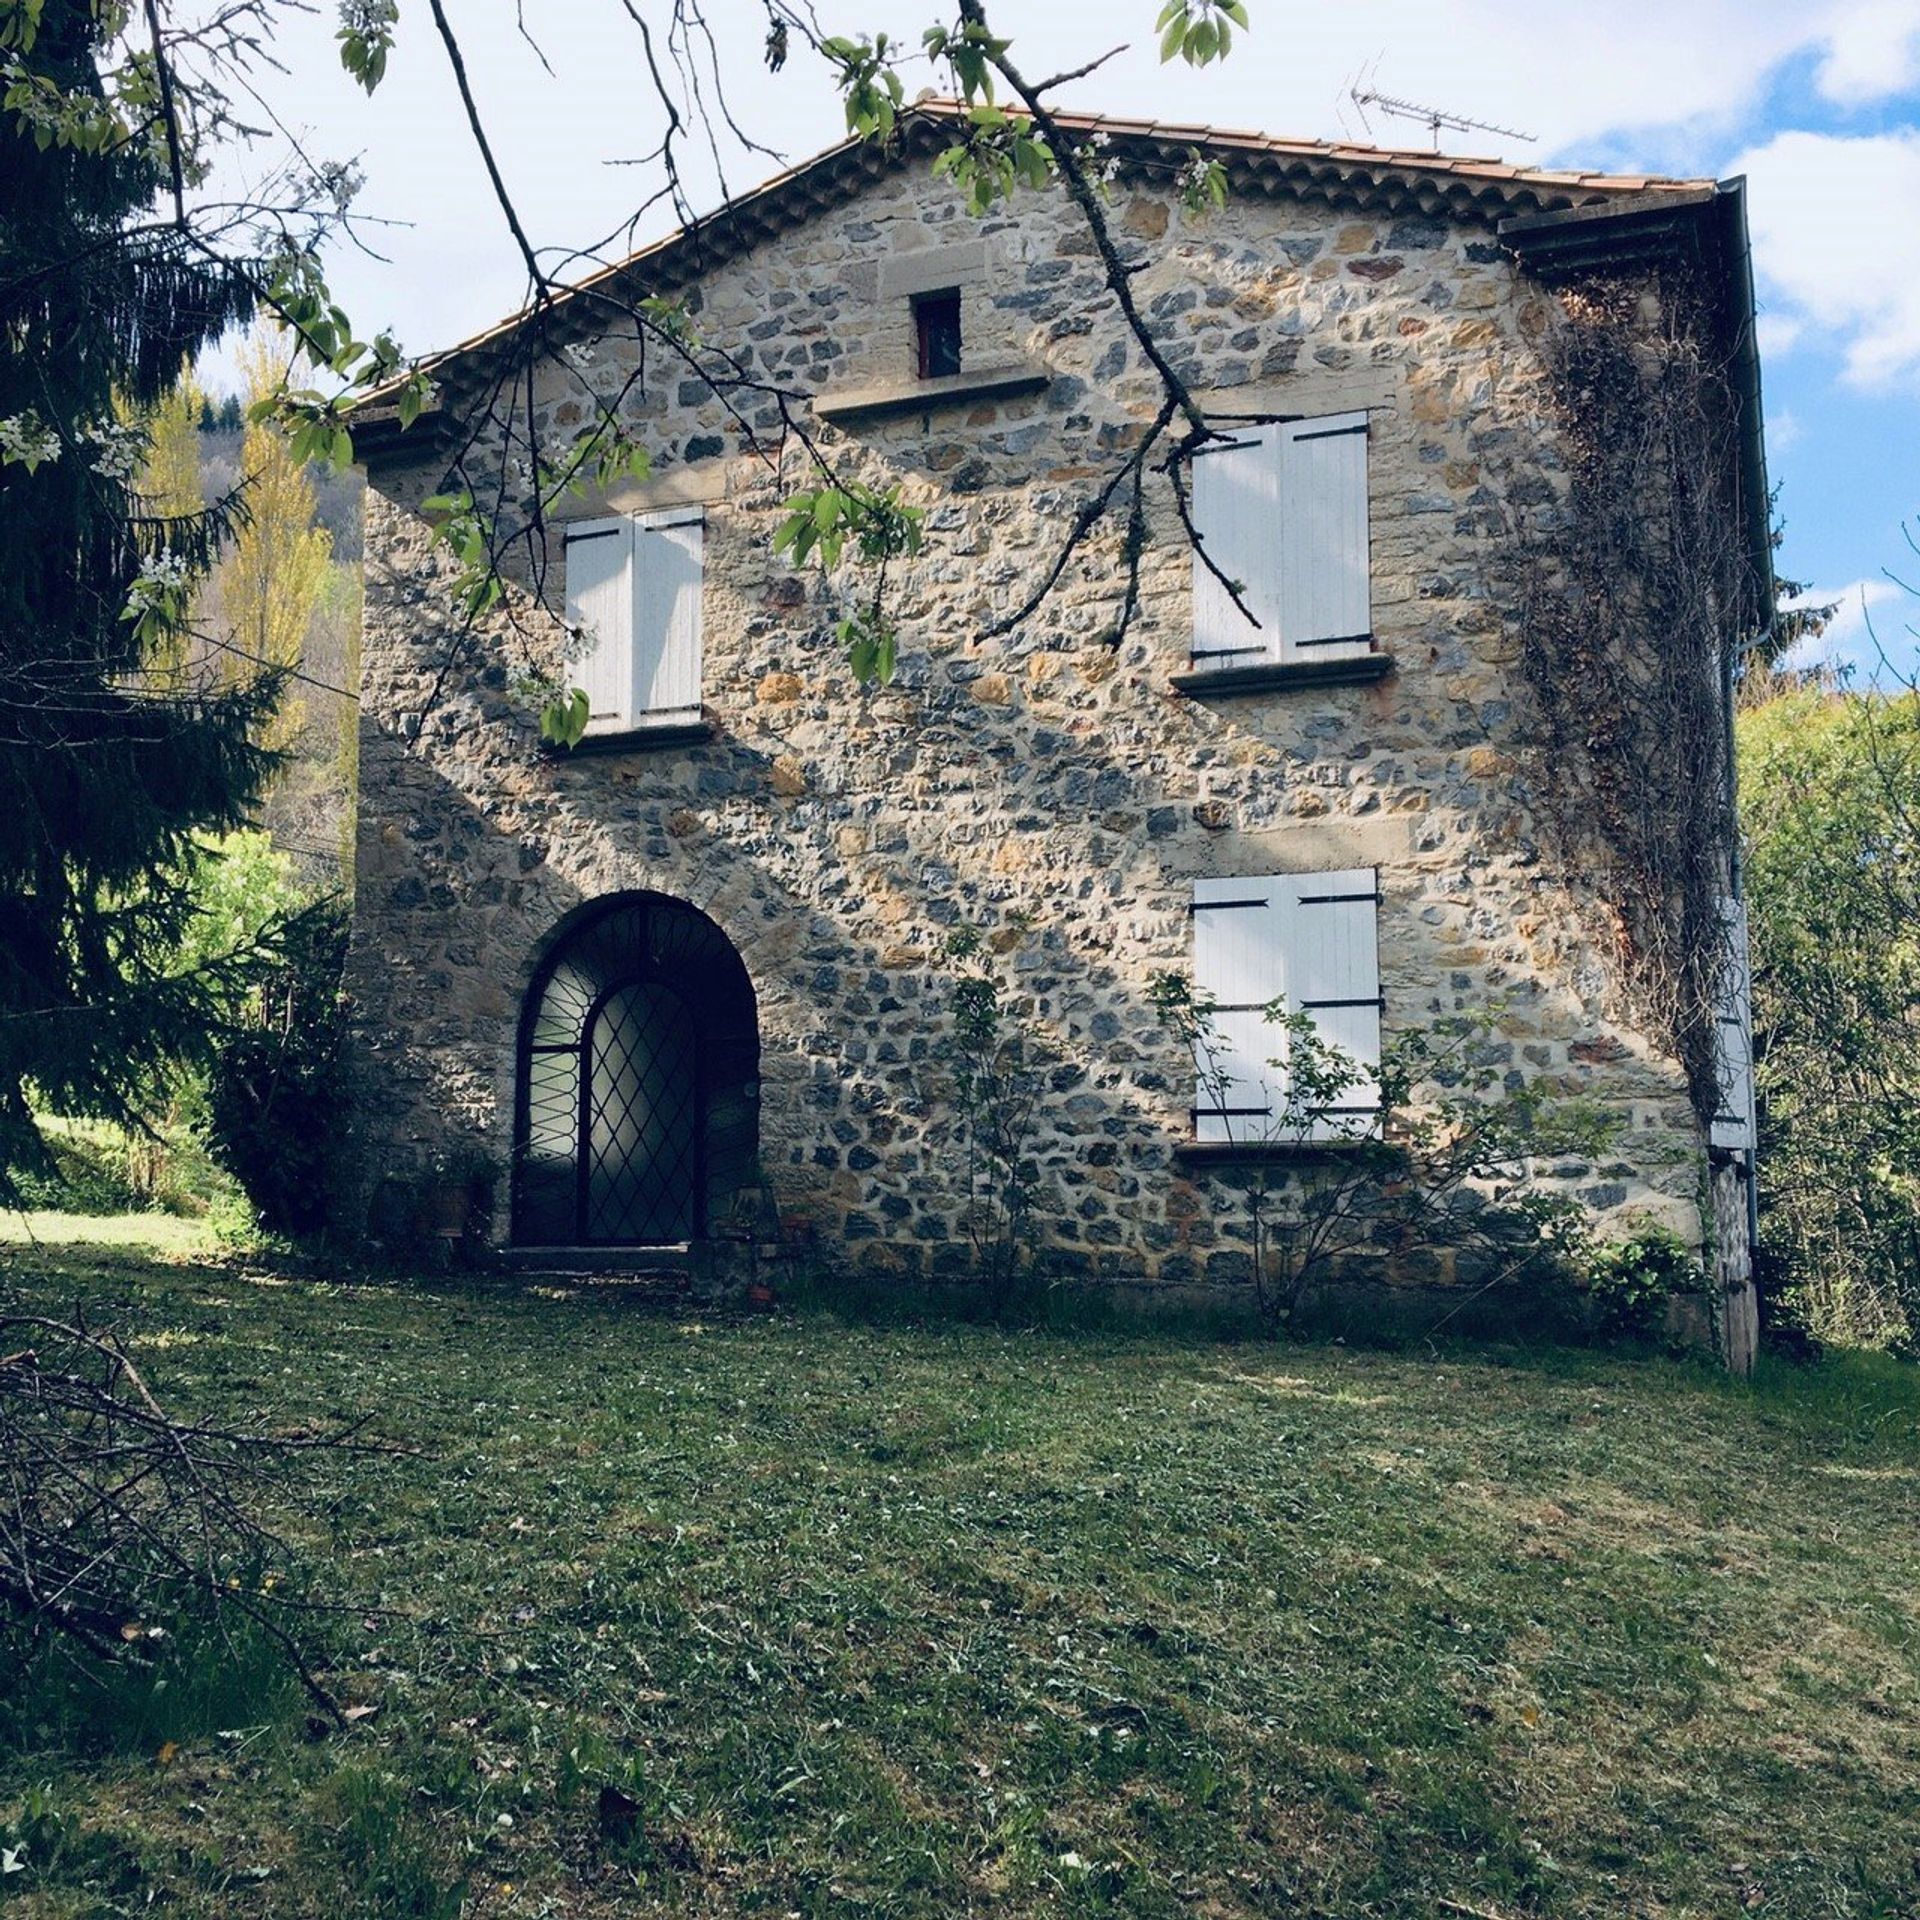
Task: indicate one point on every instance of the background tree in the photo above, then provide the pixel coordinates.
(274, 577)
(1830, 803)
(169, 485)
(170, 475)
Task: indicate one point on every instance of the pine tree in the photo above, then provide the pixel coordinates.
(108, 767)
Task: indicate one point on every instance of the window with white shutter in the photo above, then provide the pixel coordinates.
(634, 592)
(600, 610)
(1282, 511)
(1310, 939)
(1733, 1120)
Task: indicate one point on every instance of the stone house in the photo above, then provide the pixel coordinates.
(683, 986)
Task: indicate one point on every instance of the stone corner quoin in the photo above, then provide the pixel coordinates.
(834, 837)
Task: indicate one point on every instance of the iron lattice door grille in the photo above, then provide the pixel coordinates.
(640, 1145)
(638, 1021)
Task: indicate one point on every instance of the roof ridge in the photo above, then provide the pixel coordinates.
(1200, 134)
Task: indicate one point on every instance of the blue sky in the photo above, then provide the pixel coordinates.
(1817, 102)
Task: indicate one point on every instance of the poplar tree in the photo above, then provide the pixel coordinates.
(110, 766)
(272, 579)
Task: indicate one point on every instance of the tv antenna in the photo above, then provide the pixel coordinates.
(1434, 118)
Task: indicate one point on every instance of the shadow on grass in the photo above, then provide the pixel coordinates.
(208, 1678)
(1849, 1401)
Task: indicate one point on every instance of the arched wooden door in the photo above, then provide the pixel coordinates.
(638, 1085)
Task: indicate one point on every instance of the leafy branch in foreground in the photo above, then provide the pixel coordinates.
(166, 97)
(878, 526)
(995, 151)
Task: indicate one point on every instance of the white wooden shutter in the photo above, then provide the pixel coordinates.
(600, 604)
(1236, 512)
(1331, 927)
(1237, 963)
(669, 554)
(1312, 940)
(1326, 609)
(1283, 511)
(1733, 1120)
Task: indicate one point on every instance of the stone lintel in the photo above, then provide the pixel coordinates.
(929, 269)
(1282, 676)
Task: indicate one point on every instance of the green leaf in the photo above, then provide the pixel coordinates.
(367, 39)
(563, 722)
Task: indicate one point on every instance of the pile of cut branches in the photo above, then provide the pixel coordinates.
(116, 1517)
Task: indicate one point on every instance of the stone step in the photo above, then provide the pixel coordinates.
(609, 1263)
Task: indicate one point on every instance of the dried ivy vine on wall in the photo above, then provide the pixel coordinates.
(1634, 597)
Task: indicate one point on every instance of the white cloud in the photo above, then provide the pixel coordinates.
(1869, 616)
(1783, 428)
(1873, 53)
(1837, 244)
(1779, 333)
(1662, 84)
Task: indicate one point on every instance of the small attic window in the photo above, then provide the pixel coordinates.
(936, 331)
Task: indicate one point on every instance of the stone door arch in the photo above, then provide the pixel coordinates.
(637, 1110)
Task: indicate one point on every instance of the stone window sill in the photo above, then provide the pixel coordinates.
(1238, 1153)
(641, 739)
(1004, 382)
(1283, 676)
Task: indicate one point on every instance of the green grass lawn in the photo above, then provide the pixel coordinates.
(790, 1617)
(163, 1233)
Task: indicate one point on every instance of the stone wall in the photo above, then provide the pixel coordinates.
(838, 835)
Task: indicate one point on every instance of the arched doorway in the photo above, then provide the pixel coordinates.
(638, 1110)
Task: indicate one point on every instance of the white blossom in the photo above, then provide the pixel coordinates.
(117, 449)
(368, 18)
(163, 578)
(26, 440)
(339, 181)
(1099, 143)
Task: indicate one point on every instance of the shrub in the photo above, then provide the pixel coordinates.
(1631, 1280)
(1382, 1168)
(276, 1093)
(998, 1060)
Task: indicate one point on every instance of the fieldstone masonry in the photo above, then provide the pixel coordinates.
(836, 836)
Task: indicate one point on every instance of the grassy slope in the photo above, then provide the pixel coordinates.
(937, 1621)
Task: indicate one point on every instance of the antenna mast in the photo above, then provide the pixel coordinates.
(1433, 117)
